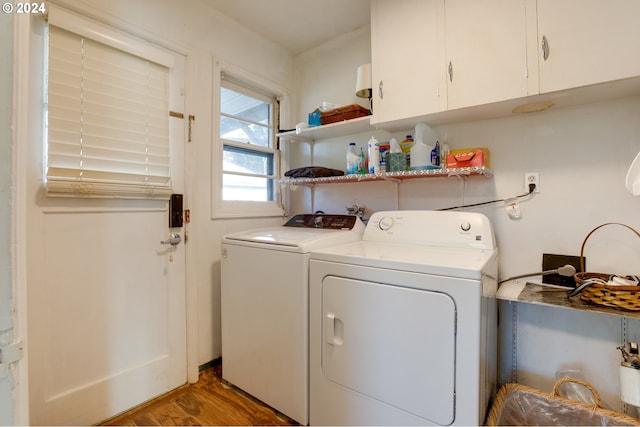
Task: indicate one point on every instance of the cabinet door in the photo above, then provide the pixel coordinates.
(589, 41)
(486, 51)
(405, 53)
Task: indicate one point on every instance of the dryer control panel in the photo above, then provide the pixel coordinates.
(432, 228)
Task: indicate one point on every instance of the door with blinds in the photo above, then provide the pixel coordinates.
(106, 299)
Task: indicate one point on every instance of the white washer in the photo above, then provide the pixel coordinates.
(403, 322)
(264, 293)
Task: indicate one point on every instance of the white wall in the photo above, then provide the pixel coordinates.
(202, 34)
(334, 63)
(582, 154)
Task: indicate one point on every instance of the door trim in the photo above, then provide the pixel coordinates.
(21, 34)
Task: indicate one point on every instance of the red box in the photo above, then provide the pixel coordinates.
(468, 158)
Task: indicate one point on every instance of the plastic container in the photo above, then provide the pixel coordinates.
(352, 159)
(436, 155)
(406, 146)
(383, 150)
(374, 155)
(421, 156)
(362, 163)
(444, 152)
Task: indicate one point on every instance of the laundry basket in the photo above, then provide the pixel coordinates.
(519, 405)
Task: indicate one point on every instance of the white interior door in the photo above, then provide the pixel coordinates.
(106, 300)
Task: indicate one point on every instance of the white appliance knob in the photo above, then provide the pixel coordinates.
(465, 226)
(385, 223)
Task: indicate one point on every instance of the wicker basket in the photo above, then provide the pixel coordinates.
(343, 113)
(516, 404)
(623, 297)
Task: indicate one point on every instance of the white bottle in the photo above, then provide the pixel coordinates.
(424, 136)
(421, 156)
(374, 155)
(352, 159)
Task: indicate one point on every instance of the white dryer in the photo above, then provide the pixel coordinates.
(403, 322)
(264, 295)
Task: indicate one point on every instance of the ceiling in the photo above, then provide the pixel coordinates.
(297, 25)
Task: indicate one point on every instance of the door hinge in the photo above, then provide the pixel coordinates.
(9, 354)
(190, 131)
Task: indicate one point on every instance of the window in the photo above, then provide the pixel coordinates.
(249, 162)
(107, 119)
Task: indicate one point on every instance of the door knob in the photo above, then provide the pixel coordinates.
(173, 240)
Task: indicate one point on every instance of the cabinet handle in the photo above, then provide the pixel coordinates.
(450, 71)
(545, 48)
(380, 93)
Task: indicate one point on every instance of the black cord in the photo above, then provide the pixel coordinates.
(532, 187)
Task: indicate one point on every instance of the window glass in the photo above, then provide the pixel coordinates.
(247, 161)
(247, 134)
(244, 107)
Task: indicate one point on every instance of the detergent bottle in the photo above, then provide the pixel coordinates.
(421, 152)
(406, 148)
(374, 155)
(436, 156)
(352, 159)
(362, 163)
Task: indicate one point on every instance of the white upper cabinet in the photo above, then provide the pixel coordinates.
(406, 50)
(434, 59)
(587, 42)
(486, 55)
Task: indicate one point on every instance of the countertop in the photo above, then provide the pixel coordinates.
(556, 296)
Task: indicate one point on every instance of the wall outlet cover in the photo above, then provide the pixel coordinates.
(553, 261)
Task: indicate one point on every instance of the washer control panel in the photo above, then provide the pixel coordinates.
(434, 228)
(385, 223)
(329, 222)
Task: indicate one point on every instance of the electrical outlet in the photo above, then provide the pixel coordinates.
(553, 261)
(532, 178)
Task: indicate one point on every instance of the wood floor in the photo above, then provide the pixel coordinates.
(210, 402)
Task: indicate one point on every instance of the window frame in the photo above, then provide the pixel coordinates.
(221, 208)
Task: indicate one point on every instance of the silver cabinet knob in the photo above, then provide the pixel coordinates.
(173, 240)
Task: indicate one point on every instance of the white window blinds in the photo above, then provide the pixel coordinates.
(108, 121)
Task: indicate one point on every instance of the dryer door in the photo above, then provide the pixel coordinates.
(393, 344)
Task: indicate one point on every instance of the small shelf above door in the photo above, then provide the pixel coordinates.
(346, 127)
(391, 176)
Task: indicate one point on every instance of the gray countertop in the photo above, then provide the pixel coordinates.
(535, 293)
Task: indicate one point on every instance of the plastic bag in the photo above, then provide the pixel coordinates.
(573, 390)
(519, 405)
